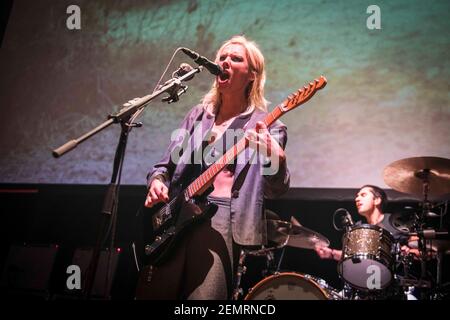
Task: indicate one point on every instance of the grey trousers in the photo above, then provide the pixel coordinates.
(218, 281)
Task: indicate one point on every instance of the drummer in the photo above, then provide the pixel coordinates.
(371, 202)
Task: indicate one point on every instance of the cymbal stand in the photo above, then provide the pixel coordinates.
(439, 257)
(426, 207)
(440, 254)
(423, 175)
(281, 259)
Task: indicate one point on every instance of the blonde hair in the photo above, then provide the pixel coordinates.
(255, 89)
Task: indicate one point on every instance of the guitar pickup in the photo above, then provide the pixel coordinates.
(161, 217)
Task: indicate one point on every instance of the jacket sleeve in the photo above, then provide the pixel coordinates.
(165, 167)
(278, 183)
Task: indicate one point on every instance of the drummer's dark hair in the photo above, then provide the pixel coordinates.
(379, 193)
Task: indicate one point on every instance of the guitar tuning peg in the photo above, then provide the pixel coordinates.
(305, 87)
(311, 84)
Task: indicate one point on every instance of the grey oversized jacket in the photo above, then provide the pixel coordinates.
(250, 185)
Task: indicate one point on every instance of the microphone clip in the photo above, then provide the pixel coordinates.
(175, 86)
(176, 91)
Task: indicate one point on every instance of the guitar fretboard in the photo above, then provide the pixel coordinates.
(294, 100)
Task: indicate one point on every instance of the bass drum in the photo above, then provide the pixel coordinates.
(291, 286)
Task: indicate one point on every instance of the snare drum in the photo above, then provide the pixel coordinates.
(368, 256)
(290, 286)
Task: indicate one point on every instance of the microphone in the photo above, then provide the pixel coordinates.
(346, 218)
(212, 67)
(349, 219)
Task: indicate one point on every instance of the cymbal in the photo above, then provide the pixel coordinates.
(286, 233)
(408, 175)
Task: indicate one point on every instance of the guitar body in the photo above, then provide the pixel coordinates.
(158, 279)
(161, 240)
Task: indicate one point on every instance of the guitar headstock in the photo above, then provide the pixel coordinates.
(302, 95)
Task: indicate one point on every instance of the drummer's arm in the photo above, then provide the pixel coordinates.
(328, 253)
(412, 247)
(414, 252)
(336, 254)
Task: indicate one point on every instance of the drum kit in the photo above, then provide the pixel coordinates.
(373, 266)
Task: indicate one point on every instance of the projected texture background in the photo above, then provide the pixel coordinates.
(387, 96)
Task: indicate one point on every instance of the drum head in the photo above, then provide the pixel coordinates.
(287, 286)
(367, 258)
(365, 274)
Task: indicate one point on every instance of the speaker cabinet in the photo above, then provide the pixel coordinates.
(28, 268)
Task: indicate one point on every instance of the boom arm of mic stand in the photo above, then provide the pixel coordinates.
(126, 112)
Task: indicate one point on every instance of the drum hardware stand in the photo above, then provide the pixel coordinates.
(279, 262)
(423, 175)
(405, 283)
(283, 249)
(241, 269)
(349, 292)
(428, 234)
(270, 258)
(439, 258)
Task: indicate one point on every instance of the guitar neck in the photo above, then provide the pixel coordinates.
(199, 185)
(206, 178)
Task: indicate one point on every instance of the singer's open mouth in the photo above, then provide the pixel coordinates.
(224, 76)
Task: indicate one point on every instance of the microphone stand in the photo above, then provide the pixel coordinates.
(125, 117)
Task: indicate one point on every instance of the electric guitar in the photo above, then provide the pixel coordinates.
(190, 206)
